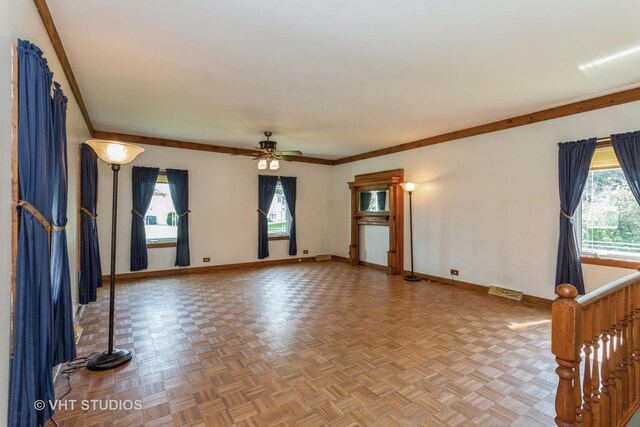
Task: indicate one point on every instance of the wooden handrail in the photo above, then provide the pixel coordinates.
(596, 341)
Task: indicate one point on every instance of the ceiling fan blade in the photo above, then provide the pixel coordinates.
(290, 153)
(285, 158)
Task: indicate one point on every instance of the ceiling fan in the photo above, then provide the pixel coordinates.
(268, 157)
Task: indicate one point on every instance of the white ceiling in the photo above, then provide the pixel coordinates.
(333, 77)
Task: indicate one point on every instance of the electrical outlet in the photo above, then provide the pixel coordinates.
(306, 251)
(206, 259)
(454, 272)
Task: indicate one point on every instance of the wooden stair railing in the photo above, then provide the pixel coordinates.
(596, 341)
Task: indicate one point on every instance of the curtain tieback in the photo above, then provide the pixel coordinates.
(565, 214)
(58, 227)
(88, 213)
(133, 211)
(262, 212)
(184, 213)
(35, 213)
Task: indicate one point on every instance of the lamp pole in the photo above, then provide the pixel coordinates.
(115, 154)
(412, 277)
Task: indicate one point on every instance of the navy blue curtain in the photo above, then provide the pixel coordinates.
(179, 188)
(31, 377)
(266, 190)
(574, 159)
(144, 182)
(365, 200)
(90, 278)
(627, 148)
(64, 348)
(381, 198)
(289, 190)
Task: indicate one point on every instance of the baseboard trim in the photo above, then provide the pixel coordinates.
(137, 275)
(373, 265)
(527, 299)
(340, 259)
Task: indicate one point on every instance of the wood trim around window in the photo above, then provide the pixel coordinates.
(161, 245)
(278, 238)
(611, 262)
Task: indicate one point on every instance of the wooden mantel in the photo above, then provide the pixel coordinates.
(385, 180)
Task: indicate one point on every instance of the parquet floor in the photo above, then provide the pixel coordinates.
(315, 344)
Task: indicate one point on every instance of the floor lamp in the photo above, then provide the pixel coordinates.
(115, 154)
(410, 187)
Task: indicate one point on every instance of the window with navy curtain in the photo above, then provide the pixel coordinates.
(289, 190)
(90, 278)
(64, 344)
(574, 159)
(144, 182)
(627, 149)
(179, 188)
(266, 190)
(31, 367)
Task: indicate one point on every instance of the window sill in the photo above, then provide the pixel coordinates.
(161, 245)
(611, 262)
(278, 238)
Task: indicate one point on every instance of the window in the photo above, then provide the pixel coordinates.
(610, 213)
(279, 218)
(160, 220)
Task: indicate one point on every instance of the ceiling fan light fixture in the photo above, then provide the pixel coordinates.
(262, 164)
(274, 165)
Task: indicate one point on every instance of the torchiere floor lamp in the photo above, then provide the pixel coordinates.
(410, 187)
(115, 154)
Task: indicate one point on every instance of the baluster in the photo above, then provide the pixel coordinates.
(613, 392)
(565, 335)
(621, 344)
(605, 395)
(631, 376)
(595, 376)
(577, 389)
(587, 415)
(636, 334)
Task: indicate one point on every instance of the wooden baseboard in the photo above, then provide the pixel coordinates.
(373, 265)
(340, 258)
(526, 299)
(137, 275)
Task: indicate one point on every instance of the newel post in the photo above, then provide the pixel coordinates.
(566, 334)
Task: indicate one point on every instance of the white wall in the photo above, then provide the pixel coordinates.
(223, 200)
(374, 244)
(489, 204)
(20, 19)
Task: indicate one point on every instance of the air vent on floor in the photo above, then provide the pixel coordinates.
(323, 257)
(505, 293)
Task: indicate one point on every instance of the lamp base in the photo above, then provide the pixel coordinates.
(105, 360)
(412, 278)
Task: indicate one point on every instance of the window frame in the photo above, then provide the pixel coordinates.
(288, 215)
(155, 244)
(593, 258)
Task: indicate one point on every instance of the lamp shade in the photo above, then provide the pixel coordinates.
(262, 164)
(115, 153)
(409, 187)
(274, 165)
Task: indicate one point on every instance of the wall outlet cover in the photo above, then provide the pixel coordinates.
(206, 259)
(454, 272)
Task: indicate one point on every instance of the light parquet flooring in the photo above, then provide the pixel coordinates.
(315, 344)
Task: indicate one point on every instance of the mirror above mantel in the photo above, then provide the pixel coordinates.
(377, 199)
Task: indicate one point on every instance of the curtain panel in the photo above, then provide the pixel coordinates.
(574, 159)
(266, 190)
(90, 269)
(63, 335)
(144, 182)
(381, 200)
(627, 149)
(31, 373)
(179, 188)
(289, 190)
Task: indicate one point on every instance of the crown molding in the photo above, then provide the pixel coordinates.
(617, 98)
(50, 26)
(172, 143)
